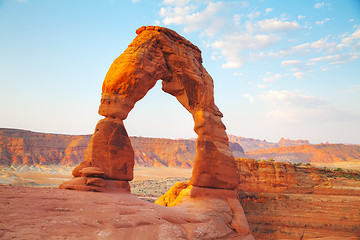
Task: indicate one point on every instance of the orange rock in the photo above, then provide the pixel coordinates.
(159, 53)
(183, 194)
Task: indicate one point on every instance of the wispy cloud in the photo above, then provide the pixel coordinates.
(299, 75)
(268, 10)
(319, 5)
(323, 21)
(189, 15)
(338, 58)
(271, 77)
(252, 36)
(294, 106)
(248, 96)
(290, 62)
(233, 45)
(275, 25)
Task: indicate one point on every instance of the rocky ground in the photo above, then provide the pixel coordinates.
(281, 201)
(50, 213)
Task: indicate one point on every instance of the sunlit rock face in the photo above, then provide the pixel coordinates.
(161, 54)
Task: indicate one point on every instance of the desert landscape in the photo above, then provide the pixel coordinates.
(281, 200)
(165, 159)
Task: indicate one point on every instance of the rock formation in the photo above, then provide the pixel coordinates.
(159, 53)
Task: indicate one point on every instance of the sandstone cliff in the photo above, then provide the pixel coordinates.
(21, 147)
(286, 201)
(333, 155)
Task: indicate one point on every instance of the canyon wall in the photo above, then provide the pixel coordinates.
(285, 201)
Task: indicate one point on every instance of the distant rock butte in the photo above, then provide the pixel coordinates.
(159, 53)
(251, 144)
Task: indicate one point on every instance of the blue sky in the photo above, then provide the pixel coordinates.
(280, 68)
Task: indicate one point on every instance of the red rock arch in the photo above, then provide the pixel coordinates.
(159, 53)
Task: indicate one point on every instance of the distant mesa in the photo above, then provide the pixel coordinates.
(22, 147)
(251, 144)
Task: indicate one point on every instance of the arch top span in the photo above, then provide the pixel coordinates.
(160, 53)
(157, 53)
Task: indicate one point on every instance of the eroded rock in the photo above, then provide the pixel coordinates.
(159, 53)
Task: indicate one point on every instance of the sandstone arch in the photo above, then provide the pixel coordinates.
(156, 53)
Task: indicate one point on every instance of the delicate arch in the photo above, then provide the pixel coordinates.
(160, 53)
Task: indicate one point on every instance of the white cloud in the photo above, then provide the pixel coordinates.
(293, 98)
(179, 13)
(323, 21)
(324, 44)
(254, 15)
(274, 25)
(232, 46)
(261, 86)
(292, 51)
(319, 5)
(176, 2)
(293, 106)
(237, 18)
(338, 58)
(254, 56)
(299, 75)
(135, 1)
(324, 69)
(353, 39)
(268, 10)
(301, 17)
(290, 62)
(248, 96)
(272, 78)
(238, 74)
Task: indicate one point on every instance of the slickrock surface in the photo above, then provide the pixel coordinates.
(47, 213)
